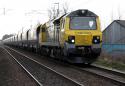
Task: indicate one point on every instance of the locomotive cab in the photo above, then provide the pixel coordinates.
(76, 36)
(80, 35)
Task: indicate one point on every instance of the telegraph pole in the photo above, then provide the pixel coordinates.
(4, 11)
(57, 9)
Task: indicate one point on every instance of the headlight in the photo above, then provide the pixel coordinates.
(96, 39)
(71, 39)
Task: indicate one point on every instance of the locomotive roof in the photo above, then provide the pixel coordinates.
(80, 12)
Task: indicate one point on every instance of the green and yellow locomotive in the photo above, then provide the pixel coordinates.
(76, 36)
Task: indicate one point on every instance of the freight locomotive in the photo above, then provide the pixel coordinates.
(75, 37)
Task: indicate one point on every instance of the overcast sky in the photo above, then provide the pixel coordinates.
(15, 14)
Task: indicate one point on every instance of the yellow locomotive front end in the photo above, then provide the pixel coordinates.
(81, 36)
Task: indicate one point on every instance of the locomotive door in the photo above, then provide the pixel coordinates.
(61, 32)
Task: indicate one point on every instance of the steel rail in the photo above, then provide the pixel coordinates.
(95, 70)
(111, 70)
(120, 74)
(23, 67)
(66, 77)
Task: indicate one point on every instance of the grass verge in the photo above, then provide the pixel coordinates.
(111, 64)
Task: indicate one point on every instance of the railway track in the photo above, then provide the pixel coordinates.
(20, 60)
(115, 77)
(38, 83)
(111, 75)
(109, 70)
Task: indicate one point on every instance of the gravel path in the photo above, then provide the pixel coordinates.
(11, 74)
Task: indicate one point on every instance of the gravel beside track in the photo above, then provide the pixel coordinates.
(44, 75)
(118, 76)
(11, 74)
(117, 72)
(84, 78)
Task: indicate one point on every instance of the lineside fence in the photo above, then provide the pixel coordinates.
(114, 52)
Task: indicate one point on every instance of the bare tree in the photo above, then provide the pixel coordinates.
(119, 13)
(7, 36)
(52, 13)
(112, 17)
(65, 8)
